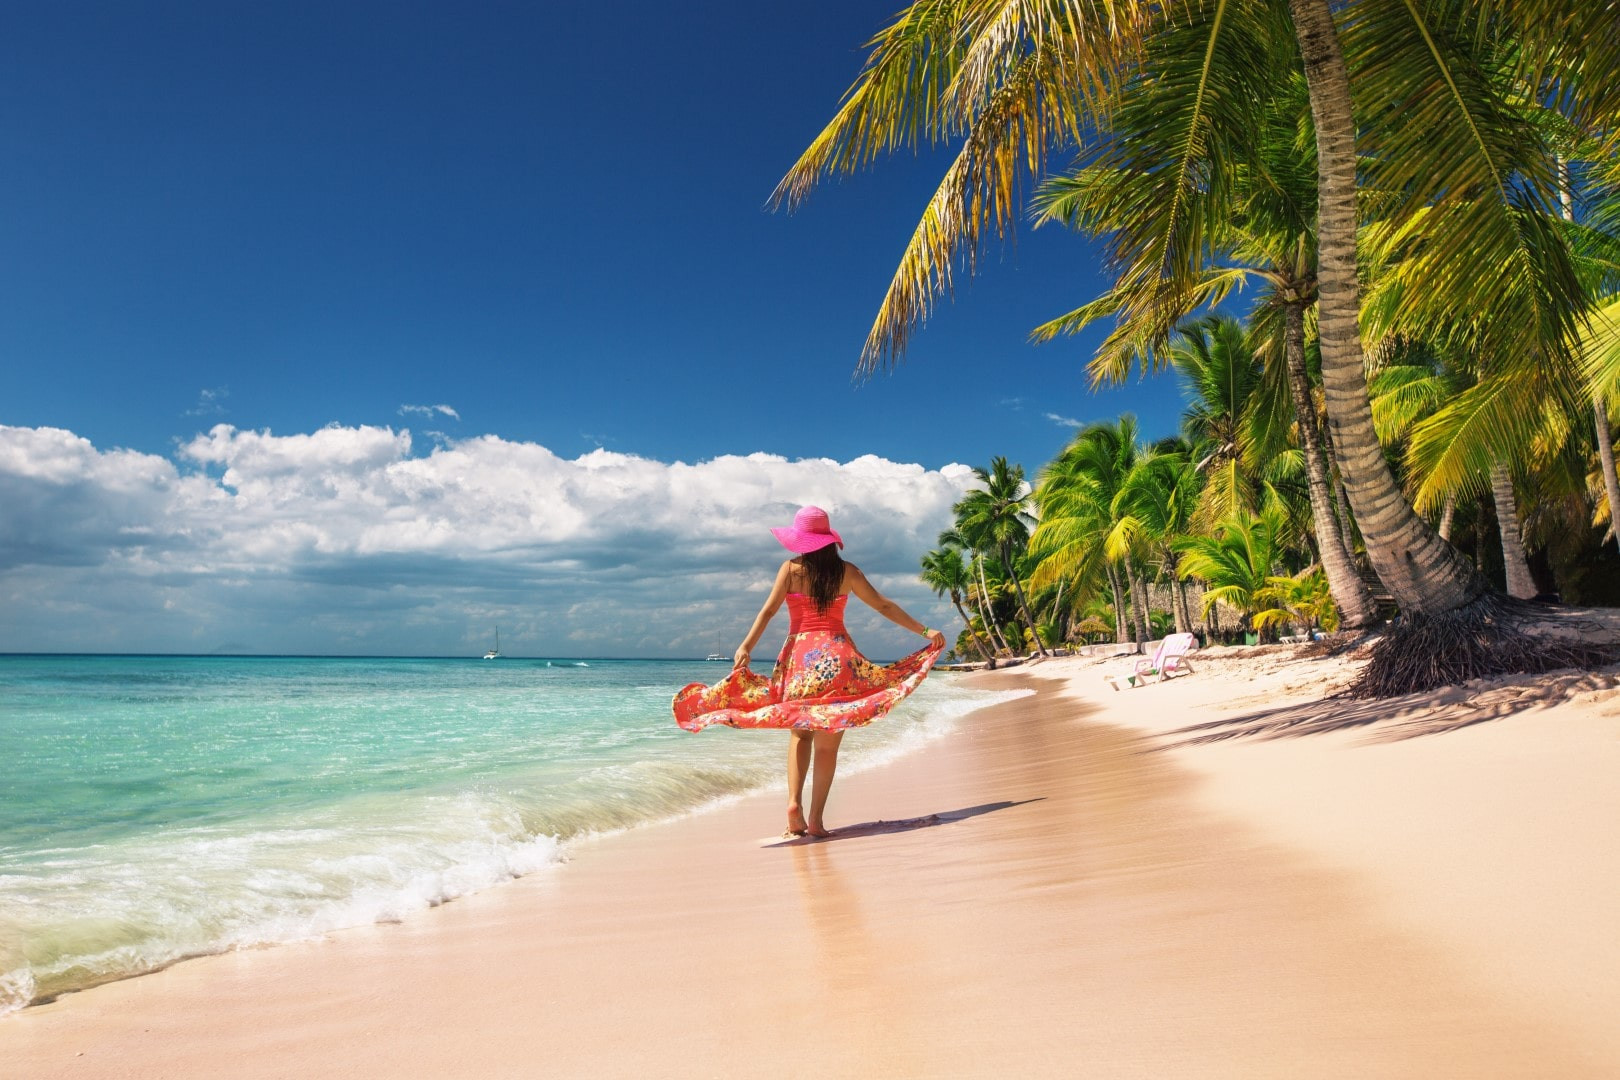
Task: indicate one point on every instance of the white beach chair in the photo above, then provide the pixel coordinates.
(1169, 660)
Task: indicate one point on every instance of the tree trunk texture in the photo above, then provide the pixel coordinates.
(1600, 411)
(1120, 615)
(1144, 633)
(1356, 607)
(1341, 502)
(1347, 525)
(1059, 616)
(1611, 484)
(1448, 517)
(987, 614)
(1520, 584)
(1008, 565)
(1178, 598)
(1423, 573)
(984, 651)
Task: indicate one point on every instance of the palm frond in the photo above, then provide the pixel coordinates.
(894, 103)
(1453, 450)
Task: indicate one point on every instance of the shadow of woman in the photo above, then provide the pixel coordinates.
(883, 828)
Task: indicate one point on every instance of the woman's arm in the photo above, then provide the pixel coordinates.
(773, 603)
(886, 607)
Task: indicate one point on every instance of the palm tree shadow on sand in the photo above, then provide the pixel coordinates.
(1395, 719)
(884, 828)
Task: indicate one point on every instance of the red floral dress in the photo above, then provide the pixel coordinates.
(821, 681)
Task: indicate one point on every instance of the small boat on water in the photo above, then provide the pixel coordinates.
(716, 656)
(495, 653)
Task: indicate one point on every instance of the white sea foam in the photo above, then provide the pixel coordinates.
(245, 823)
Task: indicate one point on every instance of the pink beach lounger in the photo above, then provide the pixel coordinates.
(1169, 660)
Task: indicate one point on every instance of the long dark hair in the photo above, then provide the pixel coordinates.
(825, 571)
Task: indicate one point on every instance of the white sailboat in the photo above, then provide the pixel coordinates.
(495, 653)
(717, 654)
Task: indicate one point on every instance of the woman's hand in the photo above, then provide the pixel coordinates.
(936, 639)
(739, 662)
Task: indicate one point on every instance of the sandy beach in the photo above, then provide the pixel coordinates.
(1223, 876)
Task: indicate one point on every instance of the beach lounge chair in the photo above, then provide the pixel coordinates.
(1169, 660)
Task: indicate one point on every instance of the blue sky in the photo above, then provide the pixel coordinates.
(505, 225)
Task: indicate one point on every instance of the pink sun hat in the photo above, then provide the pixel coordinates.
(810, 531)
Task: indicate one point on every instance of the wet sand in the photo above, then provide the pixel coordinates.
(1050, 892)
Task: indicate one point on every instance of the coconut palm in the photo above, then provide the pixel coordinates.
(1267, 233)
(944, 572)
(1237, 562)
(1076, 495)
(1302, 599)
(1234, 415)
(1598, 345)
(1154, 511)
(1442, 420)
(995, 517)
(1011, 80)
(954, 540)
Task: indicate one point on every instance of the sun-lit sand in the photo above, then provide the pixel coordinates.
(1075, 884)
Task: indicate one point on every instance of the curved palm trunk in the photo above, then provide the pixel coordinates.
(1341, 503)
(986, 611)
(1519, 582)
(1120, 615)
(1138, 604)
(1611, 485)
(1350, 593)
(1023, 604)
(1600, 411)
(1178, 595)
(1341, 508)
(956, 601)
(1448, 515)
(1425, 575)
(1060, 616)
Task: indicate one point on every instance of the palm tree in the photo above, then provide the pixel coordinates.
(1459, 436)
(1237, 563)
(1013, 80)
(1267, 232)
(1154, 512)
(1446, 138)
(1302, 598)
(944, 572)
(995, 517)
(1076, 495)
(954, 540)
(1232, 415)
(1598, 345)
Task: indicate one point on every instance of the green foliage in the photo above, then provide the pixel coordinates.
(1301, 600)
(1237, 562)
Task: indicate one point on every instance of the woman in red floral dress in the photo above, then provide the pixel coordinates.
(822, 685)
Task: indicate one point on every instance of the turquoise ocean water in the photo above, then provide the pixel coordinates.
(153, 808)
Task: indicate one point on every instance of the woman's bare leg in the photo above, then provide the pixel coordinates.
(799, 744)
(825, 764)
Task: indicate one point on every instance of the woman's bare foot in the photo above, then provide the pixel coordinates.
(817, 830)
(796, 825)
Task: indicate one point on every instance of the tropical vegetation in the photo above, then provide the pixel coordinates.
(1408, 414)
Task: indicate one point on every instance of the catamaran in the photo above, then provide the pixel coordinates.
(495, 653)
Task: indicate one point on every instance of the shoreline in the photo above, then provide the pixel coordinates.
(1036, 893)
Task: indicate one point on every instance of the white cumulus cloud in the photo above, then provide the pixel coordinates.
(353, 540)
